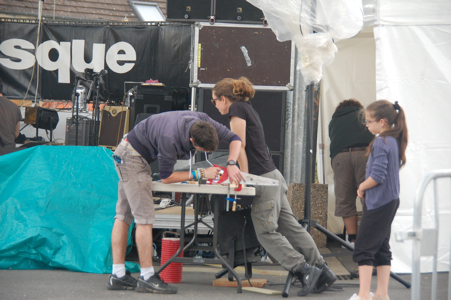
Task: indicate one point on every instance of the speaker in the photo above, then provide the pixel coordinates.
(239, 11)
(86, 135)
(270, 105)
(188, 10)
(231, 227)
(150, 99)
(277, 157)
(114, 123)
(141, 116)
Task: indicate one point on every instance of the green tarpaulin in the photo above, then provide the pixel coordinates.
(57, 208)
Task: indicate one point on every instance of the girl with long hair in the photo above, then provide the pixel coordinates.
(386, 155)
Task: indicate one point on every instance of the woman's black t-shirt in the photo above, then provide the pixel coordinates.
(258, 156)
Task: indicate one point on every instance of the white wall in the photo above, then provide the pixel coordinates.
(351, 75)
(414, 68)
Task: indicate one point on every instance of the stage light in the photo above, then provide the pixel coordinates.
(41, 118)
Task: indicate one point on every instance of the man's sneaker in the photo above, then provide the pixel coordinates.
(154, 285)
(308, 275)
(326, 279)
(125, 282)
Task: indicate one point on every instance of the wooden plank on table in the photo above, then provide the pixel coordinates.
(244, 283)
(175, 210)
(262, 291)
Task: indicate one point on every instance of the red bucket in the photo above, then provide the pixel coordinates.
(169, 246)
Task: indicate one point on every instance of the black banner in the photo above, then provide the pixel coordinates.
(128, 52)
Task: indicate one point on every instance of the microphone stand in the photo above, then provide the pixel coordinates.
(96, 112)
(98, 78)
(75, 109)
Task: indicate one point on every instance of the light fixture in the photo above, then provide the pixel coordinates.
(147, 11)
(41, 118)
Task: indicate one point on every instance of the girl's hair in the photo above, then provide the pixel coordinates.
(235, 89)
(395, 117)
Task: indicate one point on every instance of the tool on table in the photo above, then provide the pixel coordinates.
(253, 180)
(228, 197)
(233, 200)
(249, 180)
(234, 203)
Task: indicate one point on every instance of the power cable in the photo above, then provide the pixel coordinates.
(35, 55)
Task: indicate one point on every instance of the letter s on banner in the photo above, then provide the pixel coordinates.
(23, 59)
(62, 64)
(113, 57)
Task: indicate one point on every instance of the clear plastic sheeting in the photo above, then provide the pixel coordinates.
(313, 25)
(57, 208)
(369, 13)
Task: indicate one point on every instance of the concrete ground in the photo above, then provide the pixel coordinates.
(197, 283)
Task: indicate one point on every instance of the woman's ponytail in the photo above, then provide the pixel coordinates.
(395, 117)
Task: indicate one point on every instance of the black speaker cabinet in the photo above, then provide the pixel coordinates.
(149, 100)
(278, 158)
(231, 227)
(86, 134)
(188, 10)
(237, 11)
(114, 122)
(141, 116)
(270, 105)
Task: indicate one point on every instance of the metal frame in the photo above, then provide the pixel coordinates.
(425, 241)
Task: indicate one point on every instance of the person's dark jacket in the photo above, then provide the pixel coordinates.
(347, 129)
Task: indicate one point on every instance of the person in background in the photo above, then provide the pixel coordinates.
(349, 139)
(165, 137)
(276, 227)
(10, 117)
(386, 155)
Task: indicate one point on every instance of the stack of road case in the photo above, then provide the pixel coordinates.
(86, 134)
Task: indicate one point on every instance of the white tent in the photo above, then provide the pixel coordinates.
(407, 59)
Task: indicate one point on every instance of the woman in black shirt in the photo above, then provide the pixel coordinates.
(276, 227)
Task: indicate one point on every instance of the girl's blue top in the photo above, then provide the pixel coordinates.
(383, 167)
